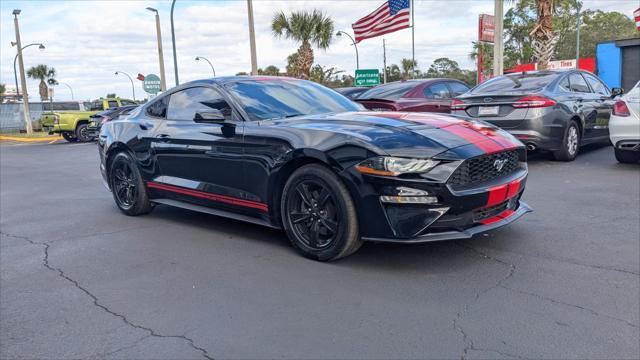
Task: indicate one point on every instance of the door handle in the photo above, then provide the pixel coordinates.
(163, 137)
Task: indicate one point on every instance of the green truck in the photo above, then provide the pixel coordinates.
(71, 120)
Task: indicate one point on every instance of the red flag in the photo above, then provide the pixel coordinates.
(140, 77)
(636, 16)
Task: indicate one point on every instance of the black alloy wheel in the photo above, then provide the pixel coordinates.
(82, 133)
(319, 215)
(127, 186)
(70, 137)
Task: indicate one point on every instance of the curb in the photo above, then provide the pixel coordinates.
(33, 139)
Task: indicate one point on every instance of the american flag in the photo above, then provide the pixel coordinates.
(636, 15)
(392, 16)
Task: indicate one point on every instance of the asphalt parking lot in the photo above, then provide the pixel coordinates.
(81, 280)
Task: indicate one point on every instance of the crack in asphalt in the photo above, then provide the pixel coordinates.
(466, 339)
(135, 343)
(96, 302)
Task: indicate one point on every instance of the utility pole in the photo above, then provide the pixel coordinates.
(578, 39)
(163, 80)
(173, 42)
(23, 79)
(384, 61)
(498, 45)
(413, 41)
(252, 39)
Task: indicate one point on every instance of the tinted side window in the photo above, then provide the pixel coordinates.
(184, 104)
(126, 102)
(437, 91)
(457, 88)
(96, 106)
(564, 84)
(597, 85)
(578, 84)
(112, 103)
(158, 108)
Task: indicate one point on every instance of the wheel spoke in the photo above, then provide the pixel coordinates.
(314, 233)
(304, 193)
(330, 225)
(119, 174)
(323, 197)
(298, 217)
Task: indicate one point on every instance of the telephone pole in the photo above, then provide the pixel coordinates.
(384, 61)
(23, 79)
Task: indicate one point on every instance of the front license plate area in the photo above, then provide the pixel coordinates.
(488, 110)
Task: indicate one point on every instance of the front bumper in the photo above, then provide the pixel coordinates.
(504, 220)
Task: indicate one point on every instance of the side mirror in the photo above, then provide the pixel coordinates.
(209, 116)
(616, 92)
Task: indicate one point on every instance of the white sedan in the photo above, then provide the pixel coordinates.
(624, 126)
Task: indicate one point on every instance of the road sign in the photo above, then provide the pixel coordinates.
(367, 77)
(151, 84)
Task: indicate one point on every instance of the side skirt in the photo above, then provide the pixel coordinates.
(216, 212)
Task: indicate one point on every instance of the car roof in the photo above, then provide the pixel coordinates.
(229, 79)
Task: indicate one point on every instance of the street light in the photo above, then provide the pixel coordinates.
(173, 42)
(70, 89)
(23, 79)
(163, 81)
(210, 64)
(133, 89)
(353, 42)
(15, 73)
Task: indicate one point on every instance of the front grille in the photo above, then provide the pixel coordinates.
(484, 168)
(489, 212)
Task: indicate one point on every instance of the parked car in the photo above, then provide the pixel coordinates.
(97, 120)
(425, 95)
(556, 111)
(293, 154)
(73, 124)
(351, 92)
(624, 126)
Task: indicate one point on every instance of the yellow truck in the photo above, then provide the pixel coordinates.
(72, 124)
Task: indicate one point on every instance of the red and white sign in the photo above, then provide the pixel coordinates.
(588, 64)
(636, 16)
(486, 28)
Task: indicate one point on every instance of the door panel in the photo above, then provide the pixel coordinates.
(585, 103)
(604, 103)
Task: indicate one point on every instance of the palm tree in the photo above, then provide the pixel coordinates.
(544, 38)
(42, 72)
(307, 28)
(408, 66)
(3, 89)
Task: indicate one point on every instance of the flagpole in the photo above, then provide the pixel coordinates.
(413, 43)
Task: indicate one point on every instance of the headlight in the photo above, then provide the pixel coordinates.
(393, 166)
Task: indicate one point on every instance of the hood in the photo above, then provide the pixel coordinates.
(410, 134)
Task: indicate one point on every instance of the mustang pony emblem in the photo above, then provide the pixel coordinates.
(499, 164)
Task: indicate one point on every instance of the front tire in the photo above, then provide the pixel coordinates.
(318, 214)
(82, 133)
(127, 186)
(627, 157)
(570, 143)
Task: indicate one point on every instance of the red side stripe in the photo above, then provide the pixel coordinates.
(497, 195)
(209, 196)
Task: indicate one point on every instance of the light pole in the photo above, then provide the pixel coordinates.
(210, 64)
(252, 39)
(133, 88)
(353, 42)
(15, 73)
(498, 45)
(23, 79)
(70, 89)
(173, 42)
(163, 81)
(578, 38)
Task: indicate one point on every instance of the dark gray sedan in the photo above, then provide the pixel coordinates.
(556, 111)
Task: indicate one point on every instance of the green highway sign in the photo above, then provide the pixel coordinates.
(367, 77)
(151, 84)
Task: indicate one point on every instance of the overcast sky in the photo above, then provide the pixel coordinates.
(87, 41)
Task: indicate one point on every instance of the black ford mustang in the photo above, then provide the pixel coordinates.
(292, 154)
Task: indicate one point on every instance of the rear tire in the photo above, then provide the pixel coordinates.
(318, 214)
(70, 137)
(627, 157)
(570, 143)
(82, 133)
(127, 186)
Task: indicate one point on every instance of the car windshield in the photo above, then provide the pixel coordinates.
(281, 98)
(516, 83)
(391, 92)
